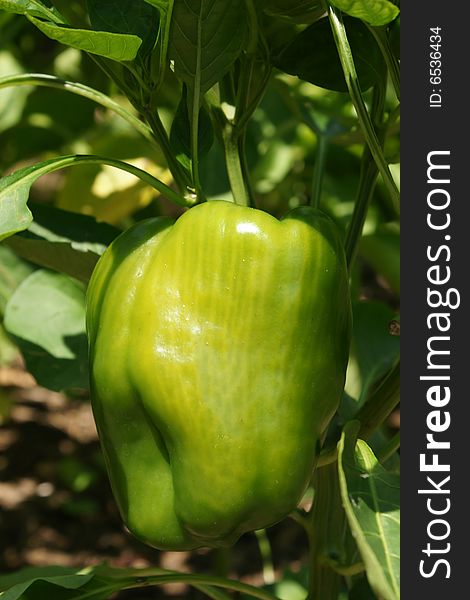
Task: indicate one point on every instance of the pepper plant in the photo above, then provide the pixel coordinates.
(263, 204)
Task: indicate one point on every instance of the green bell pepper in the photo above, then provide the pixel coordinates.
(218, 349)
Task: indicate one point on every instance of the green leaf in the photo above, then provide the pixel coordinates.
(206, 38)
(115, 46)
(64, 583)
(371, 499)
(32, 8)
(374, 12)
(313, 57)
(373, 352)
(63, 241)
(41, 322)
(12, 272)
(180, 134)
(12, 101)
(46, 314)
(134, 17)
(14, 192)
(47, 583)
(17, 583)
(8, 354)
(14, 189)
(302, 12)
(376, 349)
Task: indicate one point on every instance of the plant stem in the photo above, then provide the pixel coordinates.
(243, 119)
(389, 450)
(327, 457)
(381, 37)
(347, 62)
(155, 133)
(235, 137)
(194, 120)
(247, 62)
(367, 181)
(266, 556)
(301, 517)
(198, 580)
(39, 79)
(319, 169)
(245, 170)
(160, 136)
(253, 26)
(244, 86)
(234, 165)
(234, 133)
(325, 527)
(380, 404)
(368, 178)
(212, 592)
(55, 164)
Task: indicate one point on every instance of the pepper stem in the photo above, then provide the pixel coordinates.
(325, 527)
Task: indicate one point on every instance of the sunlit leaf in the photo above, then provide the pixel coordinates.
(206, 38)
(374, 12)
(116, 46)
(371, 499)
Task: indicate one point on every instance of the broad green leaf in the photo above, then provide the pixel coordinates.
(293, 585)
(206, 38)
(32, 573)
(313, 57)
(303, 12)
(32, 8)
(115, 46)
(371, 499)
(134, 17)
(64, 583)
(213, 173)
(18, 583)
(14, 193)
(46, 315)
(278, 33)
(8, 354)
(60, 583)
(12, 101)
(180, 134)
(92, 583)
(12, 272)
(63, 241)
(374, 351)
(374, 12)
